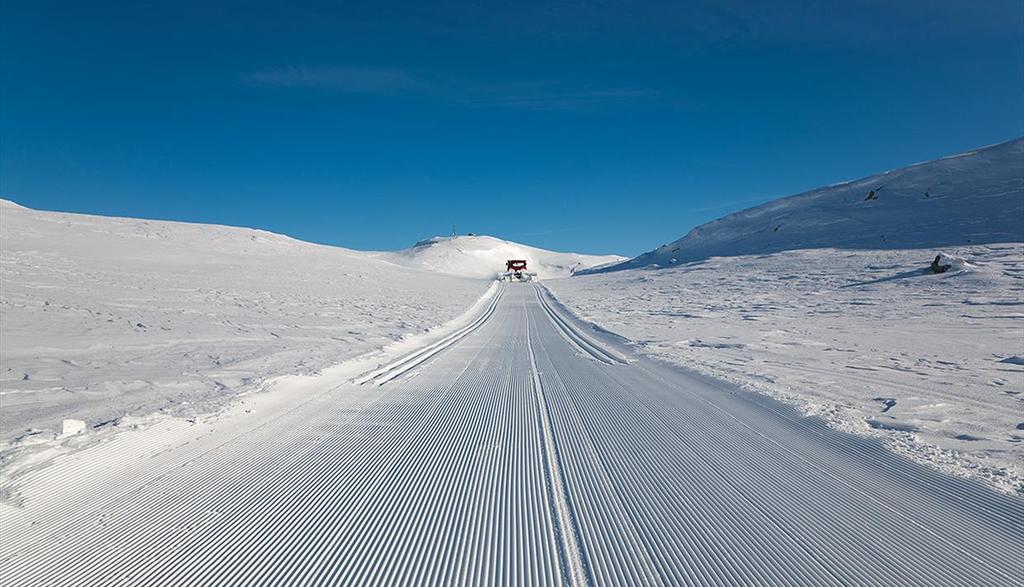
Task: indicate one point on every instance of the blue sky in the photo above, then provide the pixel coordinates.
(592, 126)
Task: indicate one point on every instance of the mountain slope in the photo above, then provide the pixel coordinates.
(484, 256)
(104, 317)
(972, 198)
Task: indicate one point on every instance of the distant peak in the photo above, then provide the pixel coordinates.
(483, 256)
(458, 237)
(974, 197)
(9, 204)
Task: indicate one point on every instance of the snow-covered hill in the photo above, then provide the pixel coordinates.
(825, 299)
(971, 198)
(104, 317)
(484, 256)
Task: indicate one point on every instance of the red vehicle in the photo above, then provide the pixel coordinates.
(515, 265)
(516, 269)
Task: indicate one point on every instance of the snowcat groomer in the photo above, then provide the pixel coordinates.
(515, 270)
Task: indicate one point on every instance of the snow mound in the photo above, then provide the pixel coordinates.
(484, 256)
(71, 427)
(971, 198)
(951, 263)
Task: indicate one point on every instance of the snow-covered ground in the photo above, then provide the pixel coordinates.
(104, 318)
(483, 256)
(848, 325)
(106, 321)
(527, 453)
(518, 445)
(867, 340)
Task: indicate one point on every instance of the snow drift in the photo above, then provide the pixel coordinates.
(972, 198)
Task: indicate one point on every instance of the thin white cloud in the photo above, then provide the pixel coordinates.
(354, 80)
(563, 94)
(546, 97)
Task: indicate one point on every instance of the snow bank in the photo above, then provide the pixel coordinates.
(972, 198)
(484, 256)
(872, 341)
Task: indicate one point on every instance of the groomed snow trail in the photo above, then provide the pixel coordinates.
(524, 453)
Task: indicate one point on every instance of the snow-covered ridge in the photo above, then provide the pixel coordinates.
(484, 256)
(971, 198)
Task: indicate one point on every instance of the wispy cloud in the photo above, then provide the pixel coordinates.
(555, 96)
(562, 94)
(355, 80)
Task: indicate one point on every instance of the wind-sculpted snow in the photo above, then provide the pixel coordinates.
(514, 456)
(107, 320)
(971, 198)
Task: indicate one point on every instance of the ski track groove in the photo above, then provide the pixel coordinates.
(522, 451)
(397, 368)
(575, 567)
